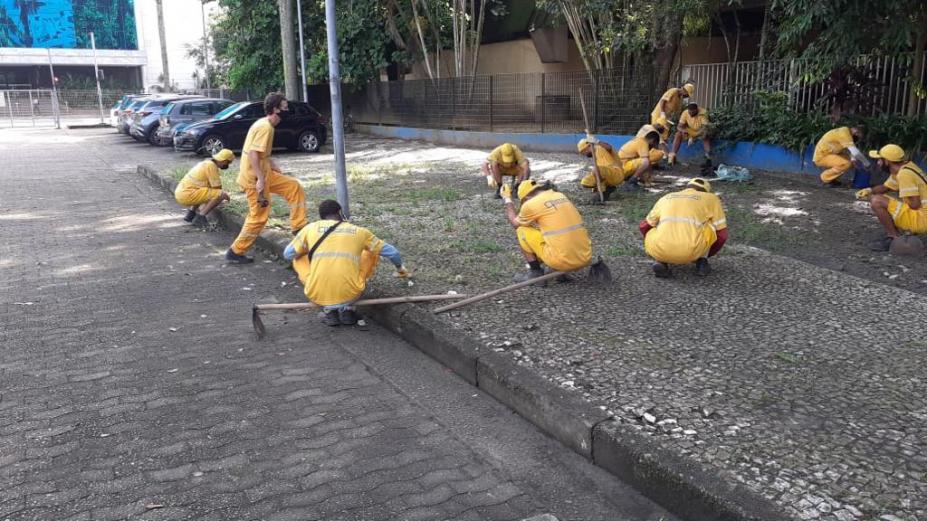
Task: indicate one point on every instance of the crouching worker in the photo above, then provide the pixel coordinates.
(628, 165)
(334, 260)
(201, 188)
(506, 160)
(693, 124)
(684, 227)
(837, 152)
(549, 228)
(906, 178)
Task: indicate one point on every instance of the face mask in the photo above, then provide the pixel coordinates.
(283, 114)
(224, 167)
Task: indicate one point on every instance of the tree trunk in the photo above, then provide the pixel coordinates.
(667, 45)
(917, 69)
(288, 45)
(165, 70)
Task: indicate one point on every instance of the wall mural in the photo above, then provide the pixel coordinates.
(67, 23)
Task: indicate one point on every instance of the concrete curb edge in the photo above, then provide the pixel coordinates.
(682, 486)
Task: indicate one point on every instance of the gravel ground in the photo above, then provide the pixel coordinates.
(796, 368)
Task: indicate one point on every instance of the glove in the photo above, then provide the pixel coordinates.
(506, 193)
(663, 115)
(402, 272)
(691, 141)
(864, 194)
(491, 182)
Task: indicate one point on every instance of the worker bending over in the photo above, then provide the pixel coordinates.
(549, 228)
(693, 124)
(201, 188)
(260, 176)
(656, 154)
(906, 178)
(684, 227)
(670, 104)
(506, 160)
(629, 165)
(334, 259)
(837, 152)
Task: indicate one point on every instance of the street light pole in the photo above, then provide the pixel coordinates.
(334, 79)
(302, 49)
(96, 72)
(205, 44)
(51, 72)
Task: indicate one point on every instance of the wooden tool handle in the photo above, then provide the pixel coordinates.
(366, 302)
(493, 293)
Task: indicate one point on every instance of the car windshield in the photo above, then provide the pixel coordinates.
(167, 108)
(231, 110)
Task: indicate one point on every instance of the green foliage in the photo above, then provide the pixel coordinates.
(362, 41)
(112, 23)
(247, 38)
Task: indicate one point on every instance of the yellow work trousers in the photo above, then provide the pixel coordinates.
(836, 166)
(274, 183)
(531, 240)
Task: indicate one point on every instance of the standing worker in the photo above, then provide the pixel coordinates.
(629, 165)
(201, 188)
(334, 260)
(906, 178)
(693, 123)
(836, 151)
(549, 228)
(670, 104)
(260, 176)
(684, 227)
(506, 160)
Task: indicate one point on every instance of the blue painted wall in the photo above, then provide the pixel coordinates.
(66, 24)
(751, 155)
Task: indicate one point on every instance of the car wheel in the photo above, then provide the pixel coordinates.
(153, 135)
(212, 144)
(309, 141)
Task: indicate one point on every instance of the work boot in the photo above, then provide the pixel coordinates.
(631, 185)
(200, 221)
(235, 258)
(661, 270)
(702, 268)
(883, 244)
(348, 317)
(527, 275)
(498, 195)
(191, 214)
(671, 160)
(833, 184)
(609, 190)
(331, 318)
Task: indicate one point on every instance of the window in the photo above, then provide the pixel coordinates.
(219, 106)
(200, 108)
(299, 110)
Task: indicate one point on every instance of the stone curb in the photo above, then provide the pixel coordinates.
(682, 486)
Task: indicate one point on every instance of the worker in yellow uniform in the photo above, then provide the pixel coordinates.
(549, 228)
(684, 227)
(837, 152)
(201, 187)
(260, 176)
(627, 165)
(693, 124)
(656, 154)
(908, 214)
(334, 260)
(670, 104)
(506, 160)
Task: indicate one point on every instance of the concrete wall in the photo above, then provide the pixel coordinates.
(712, 49)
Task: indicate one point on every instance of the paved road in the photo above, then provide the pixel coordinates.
(131, 385)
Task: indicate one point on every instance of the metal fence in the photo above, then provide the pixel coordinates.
(616, 101)
(234, 95)
(28, 108)
(724, 84)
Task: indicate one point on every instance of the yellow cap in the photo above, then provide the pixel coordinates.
(893, 153)
(224, 155)
(525, 188)
(701, 183)
(508, 153)
(689, 88)
(581, 145)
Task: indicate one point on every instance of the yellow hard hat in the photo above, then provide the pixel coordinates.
(893, 153)
(689, 88)
(700, 183)
(224, 155)
(508, 153)
(525, 188)
(581, 145)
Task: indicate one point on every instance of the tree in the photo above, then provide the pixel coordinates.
(246, 37)
(288, 48)
(362, 42)
(165, 69)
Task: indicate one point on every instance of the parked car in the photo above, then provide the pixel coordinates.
(304, 129)
(145, 120)
(120, 105)
(180, 114)
(124, 117)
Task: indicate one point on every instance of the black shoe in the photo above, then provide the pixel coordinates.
(191, 214)
(331, 318)
(235, 258)
(609, 190)
(661, 270)
(883, 244)
(527, 275)
(833, 184)
(498, 195)
(702, 268)
(200, 221)
(631, 185)
(348, 317)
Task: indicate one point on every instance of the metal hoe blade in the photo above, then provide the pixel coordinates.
(258, 324)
